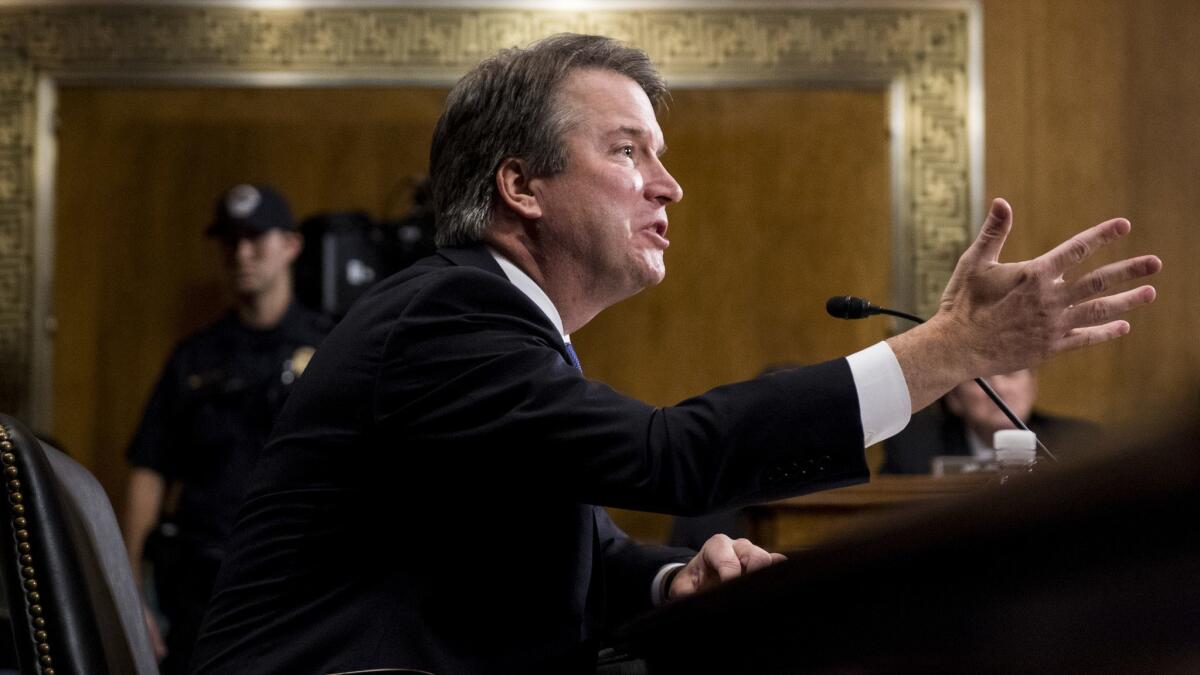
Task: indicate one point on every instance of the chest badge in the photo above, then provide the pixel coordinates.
(295, 366)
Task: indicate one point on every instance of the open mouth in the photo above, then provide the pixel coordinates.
(658, 233)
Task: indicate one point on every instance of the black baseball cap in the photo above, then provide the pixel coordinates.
(250, 210)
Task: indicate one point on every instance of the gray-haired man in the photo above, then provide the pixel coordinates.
(427, 500)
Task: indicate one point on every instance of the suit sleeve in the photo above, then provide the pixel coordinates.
(629, 567)
(471, 366)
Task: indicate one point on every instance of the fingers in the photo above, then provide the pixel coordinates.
(1094, 322)
(752, 557)
(993, 233)
(1080, 247)
(719, 556)
(1092, 335)
(1103, 278)
(1103, 310)
(730, 558)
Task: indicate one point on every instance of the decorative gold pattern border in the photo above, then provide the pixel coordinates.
(924, 49)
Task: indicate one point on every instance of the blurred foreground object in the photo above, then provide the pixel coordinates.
(1089, 568)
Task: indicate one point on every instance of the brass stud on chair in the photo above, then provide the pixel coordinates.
(21, 529)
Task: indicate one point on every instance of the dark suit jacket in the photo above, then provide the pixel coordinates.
(426, 498)
(936, 431)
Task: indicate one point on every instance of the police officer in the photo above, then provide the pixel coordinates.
(211, 412)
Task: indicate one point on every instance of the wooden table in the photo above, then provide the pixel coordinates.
(803, 522)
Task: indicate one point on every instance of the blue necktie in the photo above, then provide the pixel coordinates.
(574, 358)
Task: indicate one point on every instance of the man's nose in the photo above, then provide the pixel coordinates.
(662, 186)
(243, 250)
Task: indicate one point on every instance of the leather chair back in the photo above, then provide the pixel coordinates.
(74, 604)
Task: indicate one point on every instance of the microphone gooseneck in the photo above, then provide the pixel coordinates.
(853, 307)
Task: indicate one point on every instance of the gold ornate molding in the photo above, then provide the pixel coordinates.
(922, 50)
(17, 78)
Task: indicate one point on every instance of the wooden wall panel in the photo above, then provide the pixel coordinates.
(138, 171)
(1093, 111)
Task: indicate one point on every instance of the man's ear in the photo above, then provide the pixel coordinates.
(513, 188)
(294, 244)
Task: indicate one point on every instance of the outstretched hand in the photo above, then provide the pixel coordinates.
(999, 317)
(720, 559)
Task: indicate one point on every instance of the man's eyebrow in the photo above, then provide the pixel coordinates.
(638, 132)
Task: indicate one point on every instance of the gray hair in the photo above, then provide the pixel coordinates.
(507, 107)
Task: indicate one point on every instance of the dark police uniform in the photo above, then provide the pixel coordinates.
(208, 418)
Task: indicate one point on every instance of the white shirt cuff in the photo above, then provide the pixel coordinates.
(883, 400)
(658, 592)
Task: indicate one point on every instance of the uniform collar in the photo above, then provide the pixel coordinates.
(290, 321)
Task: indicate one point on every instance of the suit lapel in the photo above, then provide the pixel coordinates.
(479, 257)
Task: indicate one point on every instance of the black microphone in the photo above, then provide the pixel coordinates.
(849, 307)
(853, 307)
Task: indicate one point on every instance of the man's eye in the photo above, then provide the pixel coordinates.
(627, 150)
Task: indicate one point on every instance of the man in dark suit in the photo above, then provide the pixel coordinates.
(963, 421)
(428, 496)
